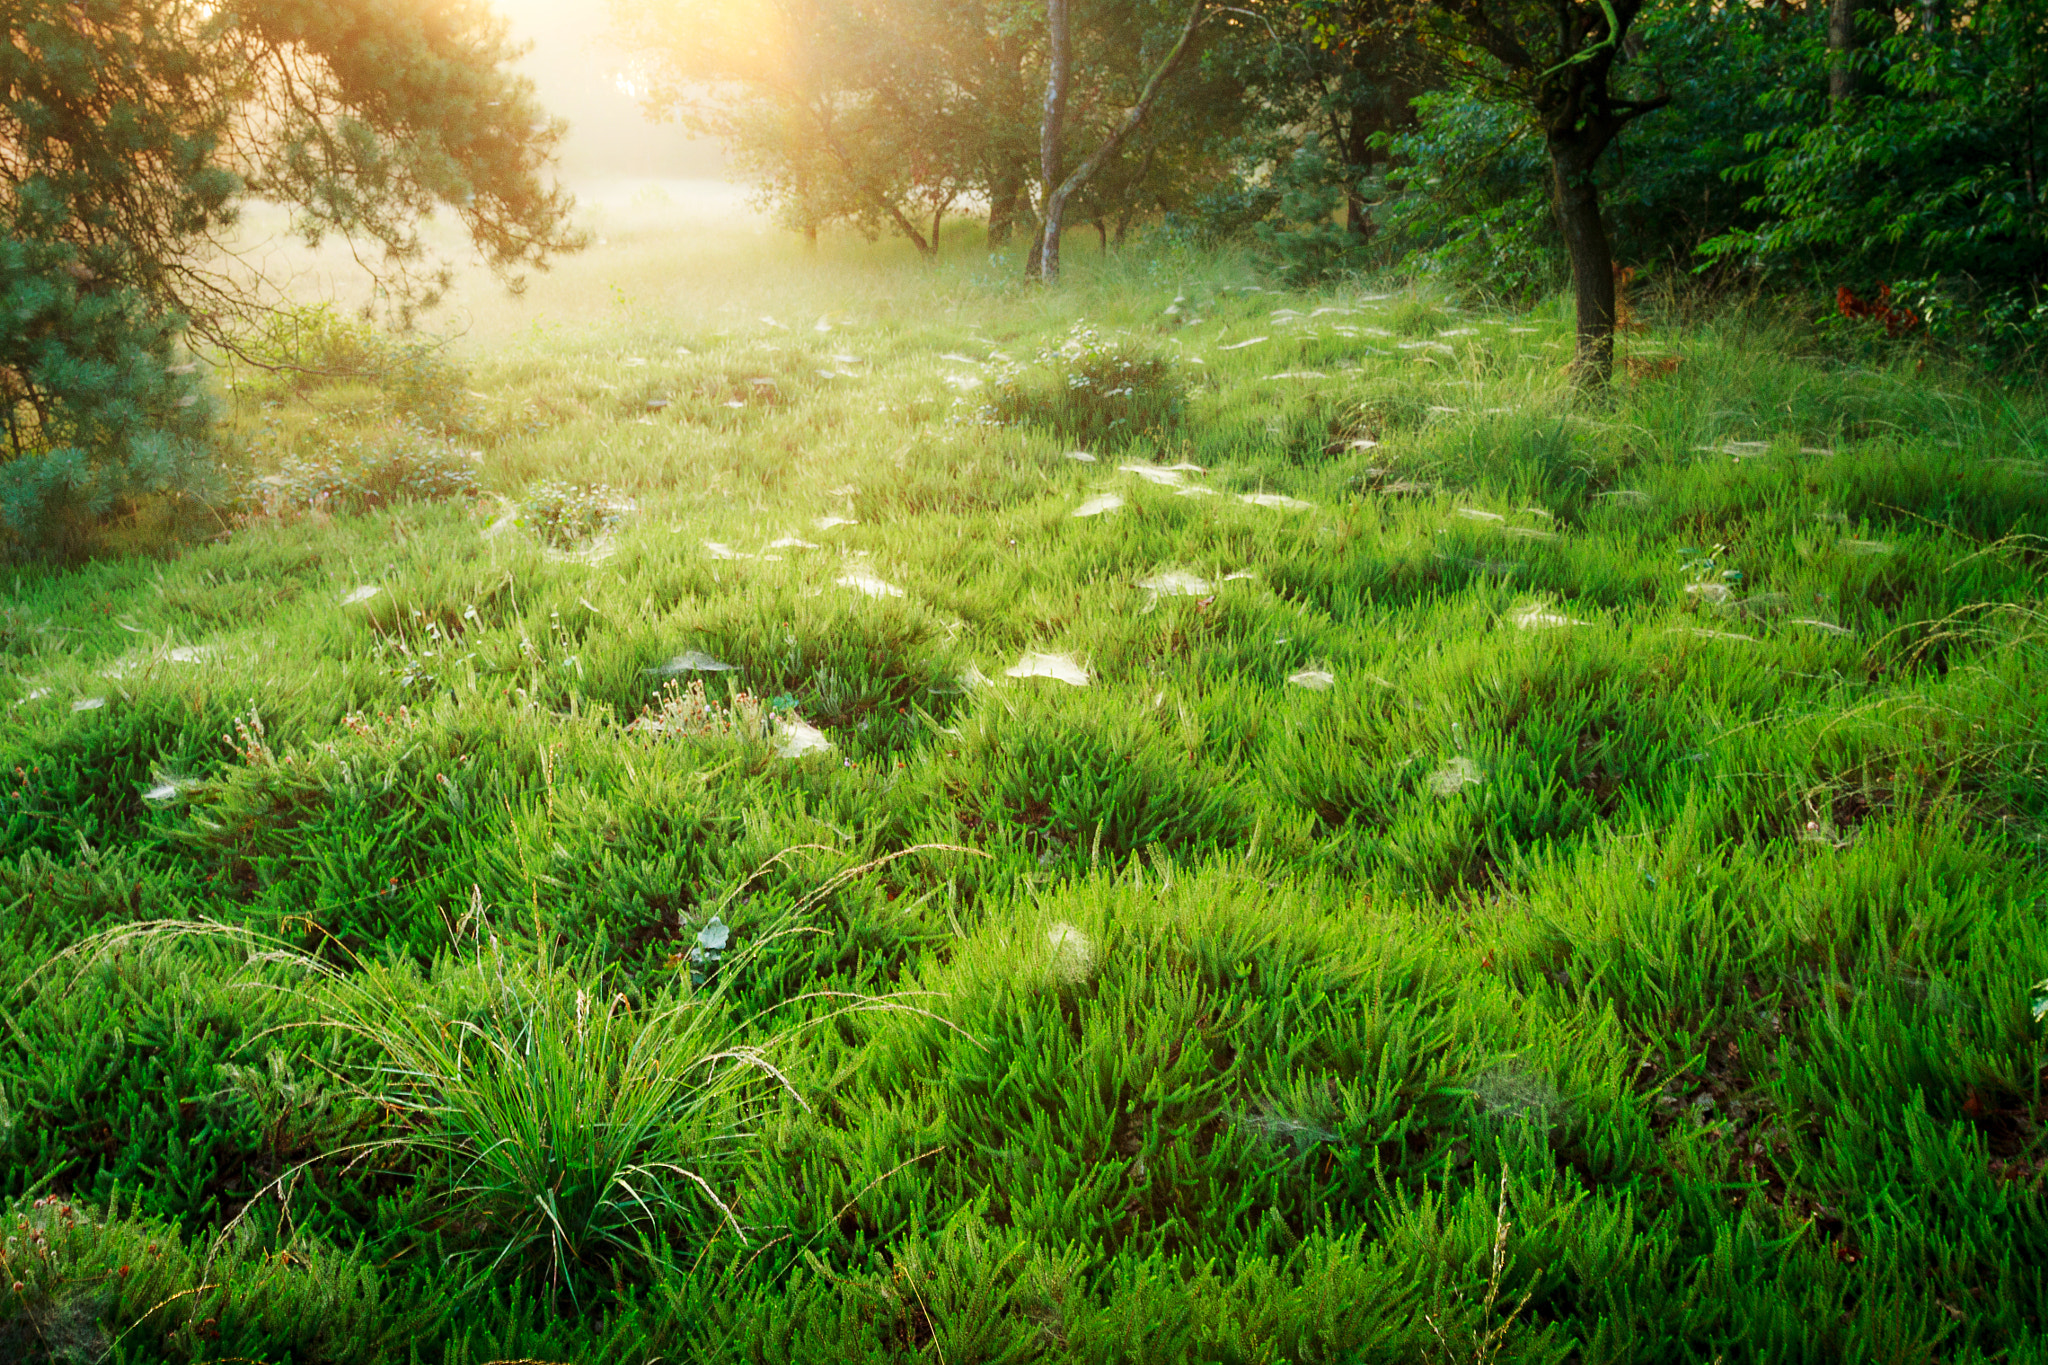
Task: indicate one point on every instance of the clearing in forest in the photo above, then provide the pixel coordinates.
(803, 808)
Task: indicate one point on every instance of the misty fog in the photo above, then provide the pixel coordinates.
(576, 70)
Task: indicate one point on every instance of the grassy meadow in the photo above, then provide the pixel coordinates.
(691, 824)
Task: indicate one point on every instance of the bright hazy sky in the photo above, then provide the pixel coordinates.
(574, 66)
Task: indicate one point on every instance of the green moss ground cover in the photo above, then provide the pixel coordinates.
(1523, 879)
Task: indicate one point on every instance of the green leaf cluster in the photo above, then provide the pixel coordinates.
(135, 132)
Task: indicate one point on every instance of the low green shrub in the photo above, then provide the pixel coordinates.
(317, 345)
(1304, 236)
(563, 514)
(365, 470)
(1089, 389)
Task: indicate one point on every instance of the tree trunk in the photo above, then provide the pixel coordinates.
(1045, 253)
(1124, 221)
(903, 224)
(1357, 220)
(1842, 44)
(1129, 212)
(1579, 116)
(1572, 155)
(895, 213)
(1358, 155)
(1002, 206)
(1133, 119)
(889, 207)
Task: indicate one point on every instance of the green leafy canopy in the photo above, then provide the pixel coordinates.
(132, 132)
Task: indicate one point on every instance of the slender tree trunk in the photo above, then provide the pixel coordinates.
(1133, 119)
(1129, 212)
(1842, 44)
(888, 206)
(903, 223)
(808, 209)
(1002, 205)
(1572, 156)
(1045, 253)
(1580, 116)
(1124, 221)
(1357, 218)
(1358, 155)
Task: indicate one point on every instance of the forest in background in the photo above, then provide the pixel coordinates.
(1868, 157)
(1876, 168)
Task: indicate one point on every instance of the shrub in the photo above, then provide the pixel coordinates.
(366, 470)
(1304, 238)
(1090, 390)
(1991, 325)
(99, 420)
(562, 514)
(317, 344)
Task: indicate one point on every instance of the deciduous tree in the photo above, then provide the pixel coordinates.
(1931, 169)
(881, 115)
(1565, 63)
(1060, 186)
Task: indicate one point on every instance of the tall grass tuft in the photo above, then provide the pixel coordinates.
(568, 1133)
(581, 1136)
